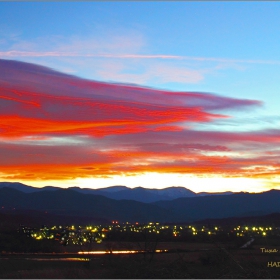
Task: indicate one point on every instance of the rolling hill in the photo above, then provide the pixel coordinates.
(71, 203)
(121, 192)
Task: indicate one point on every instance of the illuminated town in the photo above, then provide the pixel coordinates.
(78, 235)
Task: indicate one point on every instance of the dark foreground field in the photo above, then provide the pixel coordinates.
(183, 260)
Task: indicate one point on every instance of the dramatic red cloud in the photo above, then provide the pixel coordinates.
(27, 113)
(57, 126)
(41, 161)
(198, 137)
(36, 100)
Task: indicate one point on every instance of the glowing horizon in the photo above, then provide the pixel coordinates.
(95, 103)
(66, 128)
(197, 185)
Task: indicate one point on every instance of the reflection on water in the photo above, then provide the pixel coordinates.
(82, 258)
(119, 252)
(58, 259)
(50, 259)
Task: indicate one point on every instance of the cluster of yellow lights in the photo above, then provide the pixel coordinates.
(39, 236)
(155, 227)
(258, 229)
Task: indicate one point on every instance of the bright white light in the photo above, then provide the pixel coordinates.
(159, 181)
(117, 252)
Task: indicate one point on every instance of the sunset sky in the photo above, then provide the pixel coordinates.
(151, 94)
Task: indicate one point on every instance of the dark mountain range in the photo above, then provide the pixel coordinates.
(18, 186)
(121, 192)
(102, 191)
(214, 193)
(223, 206)
(69, 202)
(113, 189)
(11, 219)
(47, 188)
(147, 195)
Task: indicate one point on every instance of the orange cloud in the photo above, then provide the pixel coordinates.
(56, 126)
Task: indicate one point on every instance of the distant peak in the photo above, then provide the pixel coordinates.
(114, 189)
